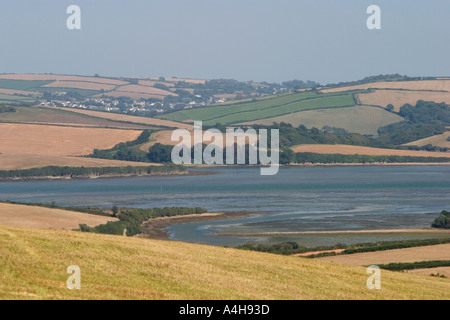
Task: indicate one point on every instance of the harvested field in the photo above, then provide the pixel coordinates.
(433, 85)
(48, 77)
(47, 218)
(26, 161)
(116, 267)
(359, 119)
(133, 119)
(438, 140)
(81, 85)
(444, 271)
(347, 149)
(400, 97)
(428, 253)
(59, 141)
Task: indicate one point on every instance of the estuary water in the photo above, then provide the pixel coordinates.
(296, 199)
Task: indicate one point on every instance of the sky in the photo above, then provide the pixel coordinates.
(260, 40)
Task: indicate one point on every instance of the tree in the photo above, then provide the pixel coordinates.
(159, 153)
(115, 210)
(443, 221)
(390, 107)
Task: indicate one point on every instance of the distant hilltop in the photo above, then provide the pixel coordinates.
(138, 96)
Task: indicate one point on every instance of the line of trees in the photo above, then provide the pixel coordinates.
(131, 219)
(84, 172)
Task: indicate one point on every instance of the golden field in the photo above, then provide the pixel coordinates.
(47, 218)
(350, 150)
(427, 253)
(26, 161)
(34, 264)
(427, 85)
(440, 140)
(59, 140)
(25, 146)
(400, 97)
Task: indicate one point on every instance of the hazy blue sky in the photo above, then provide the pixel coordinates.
(260, 40)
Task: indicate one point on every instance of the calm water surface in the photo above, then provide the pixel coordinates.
(296, 199)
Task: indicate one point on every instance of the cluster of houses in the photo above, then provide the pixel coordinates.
(111, 104)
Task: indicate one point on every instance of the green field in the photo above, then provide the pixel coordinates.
(264, 108)
(357, 119)
(22, 84)
(16, 99)
(34, 265)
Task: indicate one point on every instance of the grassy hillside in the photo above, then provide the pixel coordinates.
(33, 265)
(359, 119)
(263, 108)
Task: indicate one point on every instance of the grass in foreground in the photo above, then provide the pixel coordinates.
(33, 265)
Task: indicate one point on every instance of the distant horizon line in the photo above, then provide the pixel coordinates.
(95, 75)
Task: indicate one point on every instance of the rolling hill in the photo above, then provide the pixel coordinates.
(359, 119)
(34, 264)
(36, 84)
(356, 108)
(263, 108)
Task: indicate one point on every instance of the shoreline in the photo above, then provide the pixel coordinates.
(154, 228)
(334, 232)
(375, 164)
(186, 173)
(214, 166)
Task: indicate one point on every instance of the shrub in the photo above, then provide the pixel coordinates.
(443, 221)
